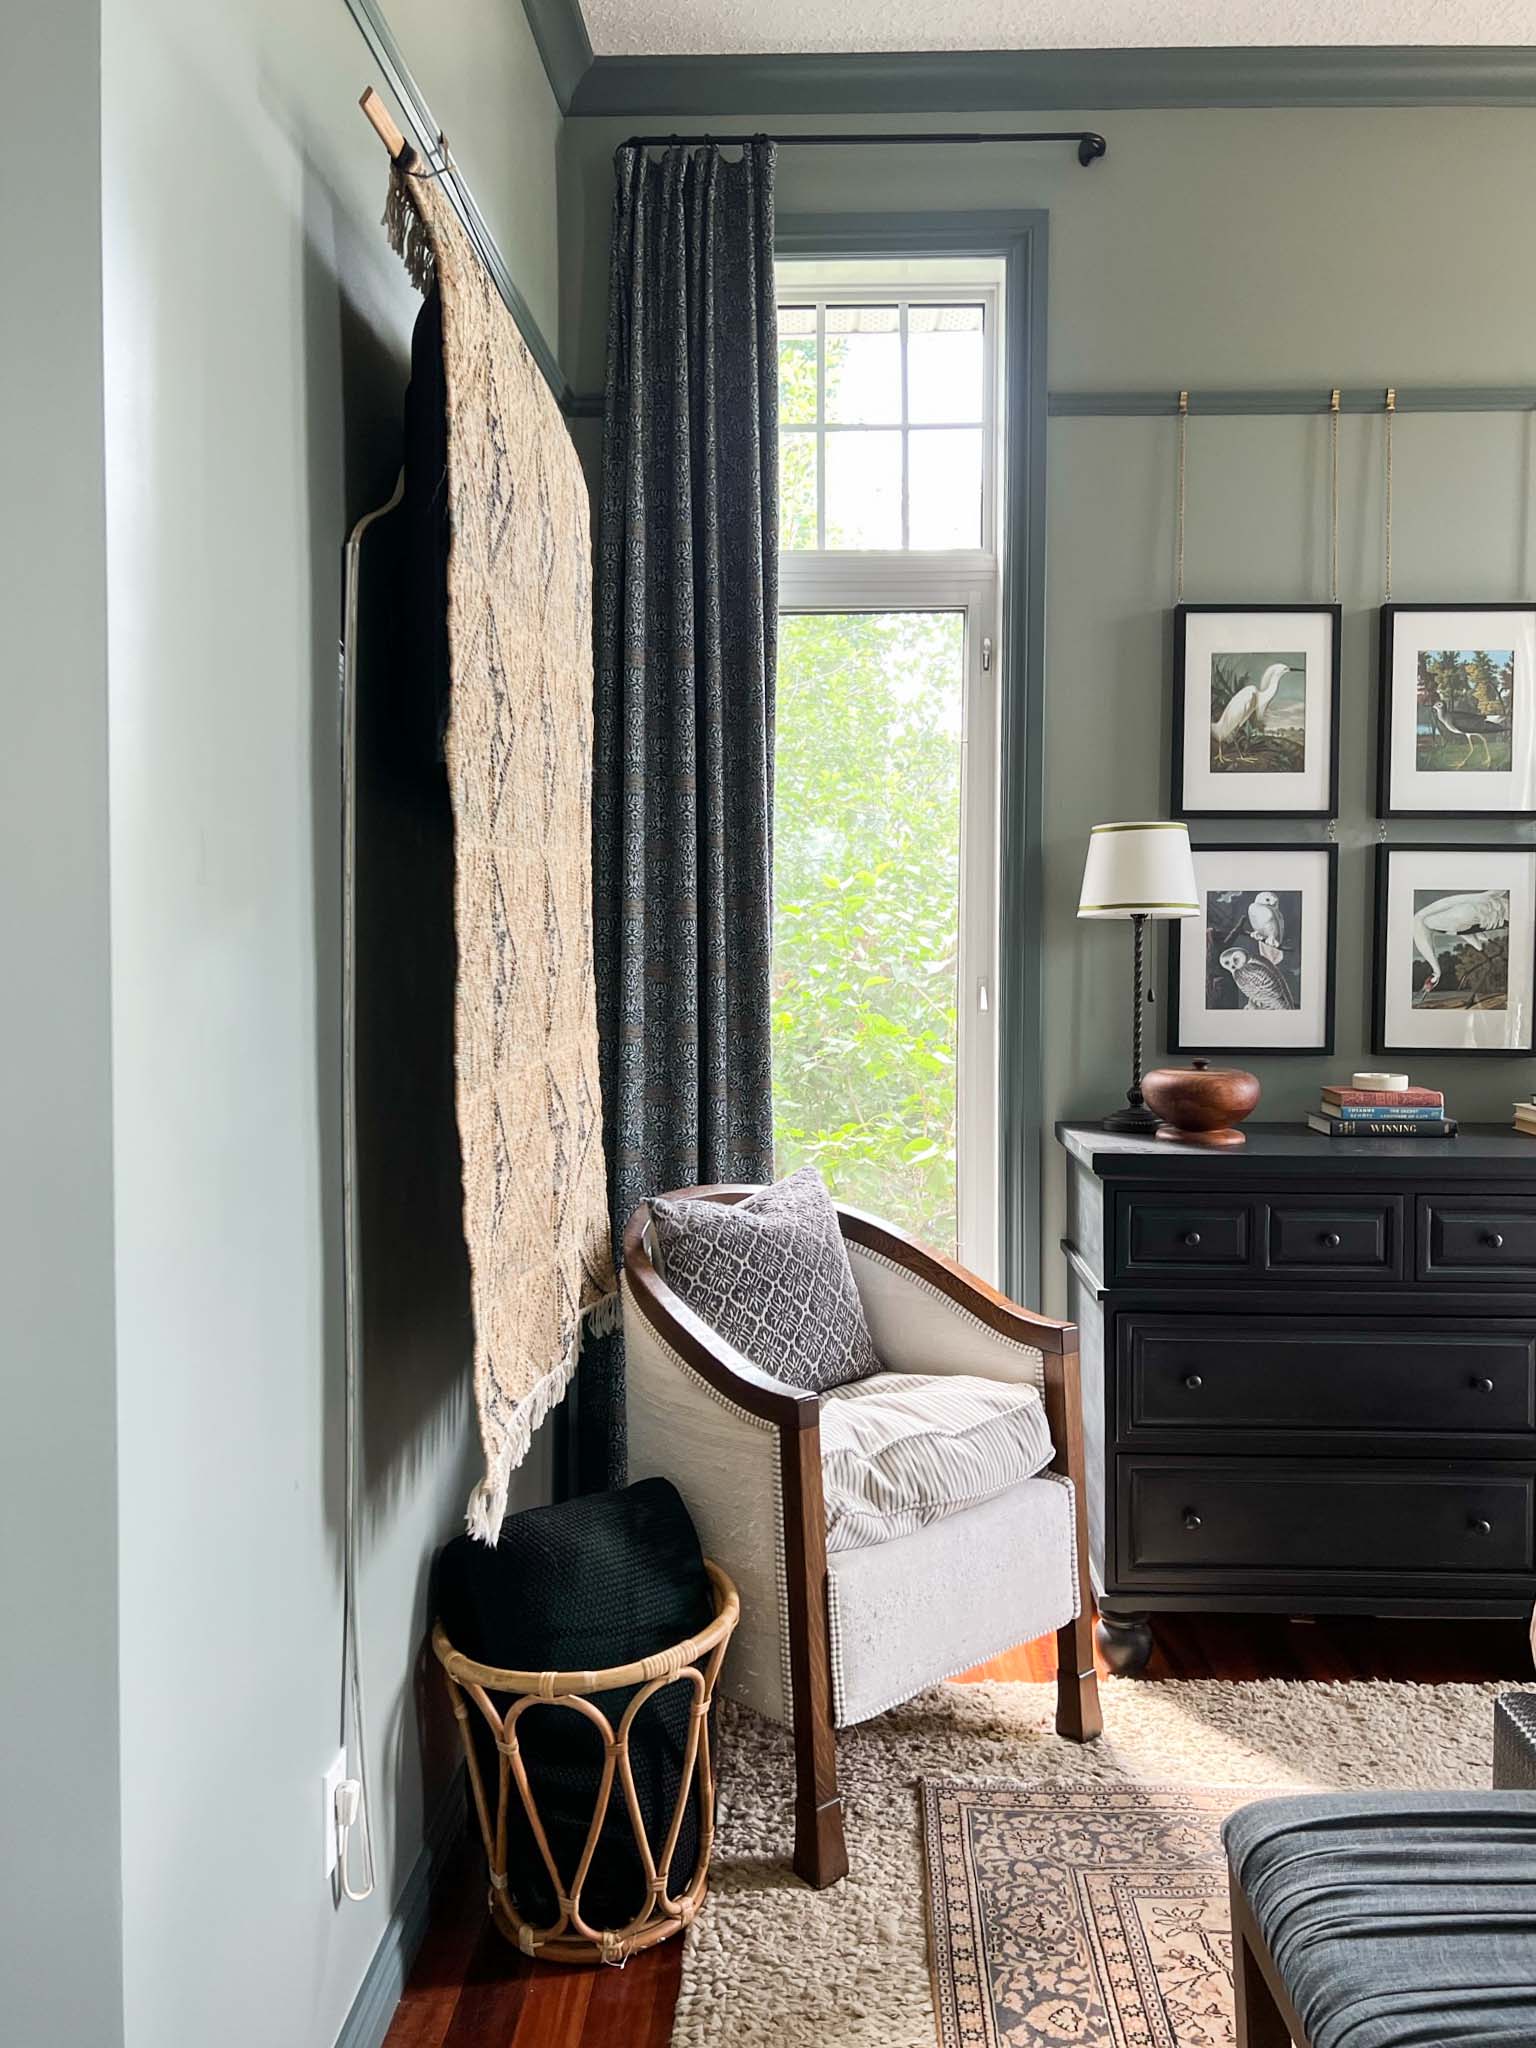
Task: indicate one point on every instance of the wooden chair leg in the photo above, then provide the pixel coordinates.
(1078, 1715)
(821, 1855)
(1260, 2023)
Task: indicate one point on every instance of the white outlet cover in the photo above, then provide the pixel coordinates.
(335, 1777)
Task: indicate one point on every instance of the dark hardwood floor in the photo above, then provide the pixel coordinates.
(471, 1989)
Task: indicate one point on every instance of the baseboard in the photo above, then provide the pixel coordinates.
(384, 1979)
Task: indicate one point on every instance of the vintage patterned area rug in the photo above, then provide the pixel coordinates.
(772, 1964)
(1063, 1912)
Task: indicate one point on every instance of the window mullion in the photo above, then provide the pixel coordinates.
(906, 520)
(821, 437)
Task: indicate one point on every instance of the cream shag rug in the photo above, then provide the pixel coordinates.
(771, 1964)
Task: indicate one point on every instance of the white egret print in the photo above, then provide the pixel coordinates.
(1253, 949)
(1465, 710)
(1460, 958)
(1259, 714)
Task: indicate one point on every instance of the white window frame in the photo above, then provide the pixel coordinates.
(968, 581)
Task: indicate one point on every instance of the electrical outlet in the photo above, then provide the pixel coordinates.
(335, 1778)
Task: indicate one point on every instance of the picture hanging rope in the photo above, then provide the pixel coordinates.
(1391, 416)
(1333, 536)
(1184, 486)
(1334, 408)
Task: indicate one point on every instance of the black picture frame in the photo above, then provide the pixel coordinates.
(1379, 1042)
(1385, 643)
(1324, 1049)
(1182, 613)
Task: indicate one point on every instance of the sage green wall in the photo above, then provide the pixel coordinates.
(257, 331)
(60, 1909)
(1223, 248)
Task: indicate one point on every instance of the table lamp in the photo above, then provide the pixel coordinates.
(1138, 870)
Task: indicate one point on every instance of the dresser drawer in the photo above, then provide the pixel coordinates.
(1322, 1375)
(1477, 1237)
(1163, 1234)
(1319, 1236)
(1256, 1516)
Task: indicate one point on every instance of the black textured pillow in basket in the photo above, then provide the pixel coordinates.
(588, 1583)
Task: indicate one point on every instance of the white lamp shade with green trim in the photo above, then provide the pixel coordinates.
(1142, 869)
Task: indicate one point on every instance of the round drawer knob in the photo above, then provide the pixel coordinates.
(1494, 1239)
(1191, 1519)
(1193, 1381)
(1481, 1528)
(1331, 1240)
(1483, 1386)
(1191, 1238)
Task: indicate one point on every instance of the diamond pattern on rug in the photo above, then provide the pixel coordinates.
(1092, 1914)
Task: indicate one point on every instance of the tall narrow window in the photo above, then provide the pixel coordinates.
(886, 769)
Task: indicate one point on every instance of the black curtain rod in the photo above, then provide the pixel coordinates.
(1090, 147)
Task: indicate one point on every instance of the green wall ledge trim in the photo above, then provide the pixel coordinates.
(975, 81)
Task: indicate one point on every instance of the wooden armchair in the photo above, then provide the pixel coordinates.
(823, 1643)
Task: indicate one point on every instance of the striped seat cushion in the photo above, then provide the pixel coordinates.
(900, 1450)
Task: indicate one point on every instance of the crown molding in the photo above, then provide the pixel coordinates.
(561, 35)
(978, 81)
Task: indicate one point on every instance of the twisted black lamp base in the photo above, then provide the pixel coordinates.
(1135, 1118)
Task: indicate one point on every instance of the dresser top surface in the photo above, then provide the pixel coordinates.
(1478, 1152)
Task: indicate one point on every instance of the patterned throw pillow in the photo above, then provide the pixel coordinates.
(770, 1274)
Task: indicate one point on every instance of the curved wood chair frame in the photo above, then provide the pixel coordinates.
(820, 1855)
(570, 1938)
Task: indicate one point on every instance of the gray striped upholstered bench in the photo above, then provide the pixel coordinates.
(1394, 1919)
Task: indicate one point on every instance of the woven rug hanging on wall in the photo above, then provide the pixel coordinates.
(518, 747)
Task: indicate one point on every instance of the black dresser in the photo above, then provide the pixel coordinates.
(1309, 1374)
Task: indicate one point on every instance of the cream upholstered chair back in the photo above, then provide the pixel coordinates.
(822, 1642)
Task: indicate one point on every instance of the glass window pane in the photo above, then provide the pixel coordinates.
(863, 489)
(944, 363)
(866, 909)
(797, 491)
(863, 373)
(797, 365)
(944, 488)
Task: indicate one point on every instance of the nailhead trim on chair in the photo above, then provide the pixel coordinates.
(780, 1564)
(900, 1699)
(905, 1273)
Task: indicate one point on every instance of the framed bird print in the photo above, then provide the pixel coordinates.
(1457, 710)
(1455, 949)
(1255, 710)
(1253, 973)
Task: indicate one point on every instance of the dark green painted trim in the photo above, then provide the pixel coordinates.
(1107, 405)
(977, 81)
(1020, 238)
(408, 96)
(561, 35)
(384, 1979)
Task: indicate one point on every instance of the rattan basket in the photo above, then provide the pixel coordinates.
(569, 1938)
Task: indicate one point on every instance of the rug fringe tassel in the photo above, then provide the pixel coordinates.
(487, 1508)
(407, 233)
(606, 1316)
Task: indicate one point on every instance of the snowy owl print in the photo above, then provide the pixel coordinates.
(1253, 949)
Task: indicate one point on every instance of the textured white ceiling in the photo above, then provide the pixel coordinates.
(637, 28)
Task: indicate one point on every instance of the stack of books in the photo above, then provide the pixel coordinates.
(1525, 1118)
(1387, 1113)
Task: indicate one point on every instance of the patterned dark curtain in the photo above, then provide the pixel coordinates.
(687, 601)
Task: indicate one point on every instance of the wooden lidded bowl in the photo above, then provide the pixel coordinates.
(1200, 1104)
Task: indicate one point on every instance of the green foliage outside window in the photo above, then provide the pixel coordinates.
(866, 887)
